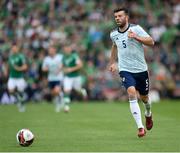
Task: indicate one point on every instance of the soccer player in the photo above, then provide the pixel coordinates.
(52, 64)
(128, 40)
(17, 65)
(72, 79)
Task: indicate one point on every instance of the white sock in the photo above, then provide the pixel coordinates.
(136, 112)
(59, 102)
(56, 100)
(147, 108)
(61, 97)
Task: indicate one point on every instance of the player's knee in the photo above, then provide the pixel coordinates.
(132, 93)
(20, 89)
(67, 91)
(11, 91)
(56, 91)
(78, 89)
(144, 98)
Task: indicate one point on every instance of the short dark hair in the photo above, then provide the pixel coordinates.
(126, 11)
(14, 43)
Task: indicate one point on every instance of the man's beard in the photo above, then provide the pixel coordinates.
(122, 25)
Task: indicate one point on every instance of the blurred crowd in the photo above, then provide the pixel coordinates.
(34, 24)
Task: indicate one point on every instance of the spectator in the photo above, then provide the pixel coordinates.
(36, 24)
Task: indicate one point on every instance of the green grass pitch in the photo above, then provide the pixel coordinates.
(90, 127)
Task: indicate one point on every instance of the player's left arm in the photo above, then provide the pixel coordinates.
(144, 40)
(60, 65)
(78, 66)
(141, 35)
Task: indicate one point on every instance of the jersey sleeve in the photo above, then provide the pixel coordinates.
(76, 57)
(23, 59)
(60, 58)
(112, 39)
(141, 32)
(45, 63)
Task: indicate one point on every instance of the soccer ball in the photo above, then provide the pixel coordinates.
(25, 137)
(66, 108)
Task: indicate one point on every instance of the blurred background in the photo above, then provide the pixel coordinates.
(87, 25)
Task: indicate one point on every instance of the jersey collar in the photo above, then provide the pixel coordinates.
(124, 30)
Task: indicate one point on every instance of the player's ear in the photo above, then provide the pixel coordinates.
(127, 17)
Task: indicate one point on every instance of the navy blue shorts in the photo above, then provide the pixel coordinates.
(53, 84)
(139, 80)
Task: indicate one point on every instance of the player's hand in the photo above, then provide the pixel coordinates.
(17, 68)
(20, 68)
(131, 34)
(45, 69)
(113, 67)
(67, 70)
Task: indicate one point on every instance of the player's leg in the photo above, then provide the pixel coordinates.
(143, 88)
(135, 110)
(77, 85)
(147, 104)
(57, 93)
(21, 85)
(130, 83)
(12, 87)
(148, 113)
(68, 85)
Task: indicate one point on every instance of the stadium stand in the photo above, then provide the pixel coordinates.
(87, 24)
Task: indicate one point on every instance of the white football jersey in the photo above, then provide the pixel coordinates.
(54, 64)
(130, 52)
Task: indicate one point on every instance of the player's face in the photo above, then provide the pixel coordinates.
(52, 51)
(67, 49)
(14, 49)
(121, 18)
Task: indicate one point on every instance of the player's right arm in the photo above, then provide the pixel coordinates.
(45, 69)
(21, 68)
(113, 58)
(45, 66)
(6, 69)
(24, 65)
(78, 66)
